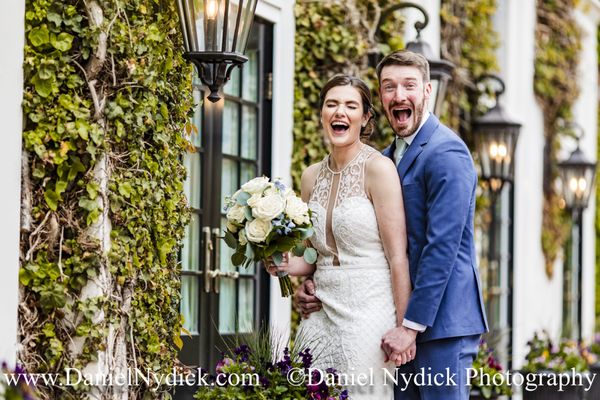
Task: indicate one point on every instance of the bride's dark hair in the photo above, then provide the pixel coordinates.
(365, 94)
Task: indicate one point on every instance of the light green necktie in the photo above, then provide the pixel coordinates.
(401, 147)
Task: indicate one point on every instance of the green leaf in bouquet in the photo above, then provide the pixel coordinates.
(249, 252)
(230, 240)
(242, 198)
(277, 258)
(248, 213)
(310, 255)
(285, 243)
(307, 233)
(298, 250)
(238, 259)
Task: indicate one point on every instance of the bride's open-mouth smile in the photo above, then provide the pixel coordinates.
(339, 128)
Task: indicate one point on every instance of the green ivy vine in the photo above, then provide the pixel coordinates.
(472, 48)
(106, 98)
(558, 44)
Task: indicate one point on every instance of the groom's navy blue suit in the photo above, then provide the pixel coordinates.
(438, 185)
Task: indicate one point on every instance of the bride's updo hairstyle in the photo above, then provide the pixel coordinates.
(365, 94)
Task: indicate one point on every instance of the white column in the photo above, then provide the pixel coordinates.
(585, 114)
(537, 300)
(11, 81)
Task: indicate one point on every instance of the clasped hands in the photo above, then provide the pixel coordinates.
(399, 345)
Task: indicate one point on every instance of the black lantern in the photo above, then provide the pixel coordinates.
(215, 34)
(577, 174)
(440, 71)
(496, 140)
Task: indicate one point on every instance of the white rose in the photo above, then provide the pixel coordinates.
(268, 207)
(242, 237)
(236, 214)
(256, 185)
(297, 210)
(231, 227)
(254, 199)
(271, 190)
(257, 230)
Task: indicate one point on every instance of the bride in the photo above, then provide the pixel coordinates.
(361, 274)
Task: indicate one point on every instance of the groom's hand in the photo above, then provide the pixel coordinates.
(398, 341)
(305, 299)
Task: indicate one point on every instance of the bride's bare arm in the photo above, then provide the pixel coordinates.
(383, 186)
(297, 266)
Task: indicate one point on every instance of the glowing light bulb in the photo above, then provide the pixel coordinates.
(573, 184)
(582, 184)
(494, 150)
(212, 7)
(502, 150)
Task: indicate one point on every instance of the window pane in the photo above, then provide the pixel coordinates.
(232, 87)
(229, 182)
(189, 303)
(196, 138)
(231, 127)
(249, 132)
(250, 71)
(227, 306)
(248, 172)
(246, 306)
(192, 186)
(190, 252)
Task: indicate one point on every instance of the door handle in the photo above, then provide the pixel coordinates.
(208, 248)
(216, 274)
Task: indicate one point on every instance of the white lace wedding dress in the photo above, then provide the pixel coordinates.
(352, 281)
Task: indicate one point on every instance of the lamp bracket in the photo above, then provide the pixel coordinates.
(419, 25)
(572, 127)
(214, 68)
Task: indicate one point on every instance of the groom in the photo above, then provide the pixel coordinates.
(445, 313)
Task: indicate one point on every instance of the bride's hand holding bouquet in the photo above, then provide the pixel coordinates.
(265, 220)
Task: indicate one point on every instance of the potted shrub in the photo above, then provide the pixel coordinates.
(547, 360)
(266, 378)
(486, 368)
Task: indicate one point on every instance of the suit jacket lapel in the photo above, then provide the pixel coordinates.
(416, 147)
(389, 151)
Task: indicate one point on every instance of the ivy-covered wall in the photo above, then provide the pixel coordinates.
(106, 98)
(558, 44)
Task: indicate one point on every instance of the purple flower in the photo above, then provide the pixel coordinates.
(344, 395)
(306, 358)
(242, 353)
(286, 363)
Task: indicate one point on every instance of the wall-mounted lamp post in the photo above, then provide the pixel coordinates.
(215, 34)
(577, 176)
(440, 71)
(496, 140)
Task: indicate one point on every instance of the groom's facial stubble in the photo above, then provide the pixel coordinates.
(404, 95)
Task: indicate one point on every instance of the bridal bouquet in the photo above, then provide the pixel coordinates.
(266, 219)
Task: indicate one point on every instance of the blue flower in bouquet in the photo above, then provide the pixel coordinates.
(266, 219)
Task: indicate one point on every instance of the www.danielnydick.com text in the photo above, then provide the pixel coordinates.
(73, 377)
(426, 377)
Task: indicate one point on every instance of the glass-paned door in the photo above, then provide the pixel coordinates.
(219, 301)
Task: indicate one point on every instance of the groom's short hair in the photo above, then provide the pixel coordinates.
(407, 58)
